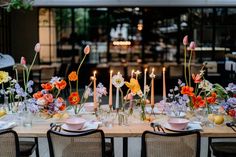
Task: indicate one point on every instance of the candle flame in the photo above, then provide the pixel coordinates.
(111, 71)
(153, 70)
(146, 70)
(94, 73)
(118, 73)
(164, 69)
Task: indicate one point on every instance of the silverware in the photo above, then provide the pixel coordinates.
(158, 126)
(56, 126)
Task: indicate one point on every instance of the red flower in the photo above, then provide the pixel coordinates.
(74, 98)
(61, 84)
(231, 112)
(212, 98)
(62, 107)
(38, 95)
(187, 90)
(47, 86)
(198, 101)
(197, 78)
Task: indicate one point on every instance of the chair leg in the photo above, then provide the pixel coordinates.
(209, 147)
(37, 146)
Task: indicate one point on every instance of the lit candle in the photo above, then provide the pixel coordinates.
(145, 82)
(164, 83)
(152, 89)
(110, 90)
(94, 91)
(137, 73)
(117, 95)
(132, 73)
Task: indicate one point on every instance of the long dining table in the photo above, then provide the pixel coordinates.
(132, 129)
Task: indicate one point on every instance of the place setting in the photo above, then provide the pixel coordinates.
(75, 124)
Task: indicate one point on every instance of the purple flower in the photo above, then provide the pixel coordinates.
(232, 101)
(55, 79)
(30, 83)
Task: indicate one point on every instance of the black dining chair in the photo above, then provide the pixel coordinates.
(11, 147)
(221, 148)
(160, 144)
(76, 144)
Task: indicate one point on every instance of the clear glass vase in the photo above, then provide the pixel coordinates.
(27, 117)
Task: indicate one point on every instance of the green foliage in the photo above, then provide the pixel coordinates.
(19, 4)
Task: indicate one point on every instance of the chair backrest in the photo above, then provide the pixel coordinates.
(158, 144)
(84, 144)
(9, 146)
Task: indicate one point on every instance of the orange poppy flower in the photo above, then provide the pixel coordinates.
(73, 76)
(74, 98)
(47, 86)
(187, 90)
(198, 101)
(212, 98)
(197, 78)
(60, 100)
(62, 107)
(61, 84)
(48, 97)
(38, 95)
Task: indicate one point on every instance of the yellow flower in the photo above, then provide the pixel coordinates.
(3, 77)
(133, 85)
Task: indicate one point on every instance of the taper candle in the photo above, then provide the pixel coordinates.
(152, 75)
(145, 82)
(132, 73)
(117, 95)
(164, 83)
(110, 90)
(94, 91)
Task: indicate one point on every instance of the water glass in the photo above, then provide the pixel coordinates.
(27, 118)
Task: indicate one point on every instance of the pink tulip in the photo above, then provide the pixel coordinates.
(23, 61)
(185, 40)
(192, 45)
(37, 48)
(87, 50)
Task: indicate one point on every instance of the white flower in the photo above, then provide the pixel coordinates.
(41, 101)
(118, 80)
(152, 75)
(137, 72)
(87, 92)
(206, 85)
(140, 93)
(146, 89)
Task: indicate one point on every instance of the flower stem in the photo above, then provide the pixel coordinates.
(31, 66)
(189, 68)
(77, 82)
(185, 74)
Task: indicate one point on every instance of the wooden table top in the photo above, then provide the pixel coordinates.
(133, 129)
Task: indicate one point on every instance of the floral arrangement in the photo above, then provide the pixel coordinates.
(229, 105)
(16, 92)
(134, 94)
(74, 98)
(48, 101)
(204, 94)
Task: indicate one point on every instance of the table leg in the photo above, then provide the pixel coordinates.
(125, 146)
